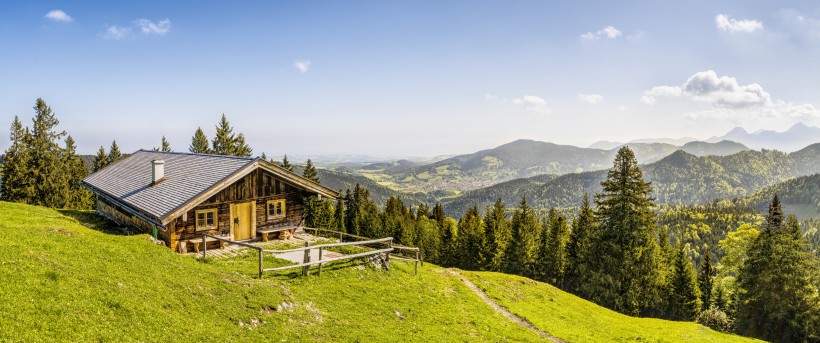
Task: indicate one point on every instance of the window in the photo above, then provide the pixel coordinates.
(276, 209)
(206, 219)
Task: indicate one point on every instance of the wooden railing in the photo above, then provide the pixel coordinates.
(414, 254)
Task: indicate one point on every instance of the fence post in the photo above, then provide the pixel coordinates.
(320, 258)
(259, 251)
(416, 272)
(204, 246)
(306, 269)
(387, 256)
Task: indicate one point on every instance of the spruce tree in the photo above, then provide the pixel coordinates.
(164, 146)
(777, 296)
(353, 208)
(76, 196)
(226, 142)
(684, 298)
(422, 211)
(310, 172)
(626, 273)
(497, 233)
(100, 160)
(520, 257)
(114, 153)
(439, 215)
(552, 253)
(15, 184)
(45, 168)
(470, 240)
(339, 215)
(199, 143)
(286, 164)
(705, 279)
(580, 238)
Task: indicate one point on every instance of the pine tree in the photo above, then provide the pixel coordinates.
(45, 169)
(199, 143)
(339, 215)
(423, 211)
(429, 239)
(552, 250)
(352, 216)
(164, 146)
(776, 299)
(438, 215)
(15, 185)
(705, 279)
(580, 238)
(100, 160)
(286, 164)
(240, 148)
(226, 142)
(684, 298)
(520, 257)
(310, 172)
(626, 273)
(76, 196)
(470, 240)
(114, 153)
(497, 233)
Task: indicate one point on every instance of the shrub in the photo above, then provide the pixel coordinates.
(715, 319)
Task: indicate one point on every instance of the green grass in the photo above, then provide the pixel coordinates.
(61, 280)
(576, 320)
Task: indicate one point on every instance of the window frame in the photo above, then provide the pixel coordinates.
(205, 213)
(272, 216)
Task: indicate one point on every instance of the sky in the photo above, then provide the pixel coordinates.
(408, 78)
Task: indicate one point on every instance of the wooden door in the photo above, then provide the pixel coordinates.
(243, 220)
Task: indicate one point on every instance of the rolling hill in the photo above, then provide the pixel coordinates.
(63, 281)
(679, 178)
(800, 196)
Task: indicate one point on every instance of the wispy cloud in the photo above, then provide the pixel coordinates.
(302, 65)
(153, 28)
(59, 15)
(609, 32)
(591, 98)
(116, 32)
(725, 23)
(532, 103)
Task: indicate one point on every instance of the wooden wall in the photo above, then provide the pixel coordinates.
(124, 218)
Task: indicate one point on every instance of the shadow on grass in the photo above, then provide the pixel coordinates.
(91, 219)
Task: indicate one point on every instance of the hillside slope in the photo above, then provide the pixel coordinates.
(800, 196)
(62, 281)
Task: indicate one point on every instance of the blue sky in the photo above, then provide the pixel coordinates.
(409, 78)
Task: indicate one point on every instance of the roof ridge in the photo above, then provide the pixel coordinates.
(197, 154)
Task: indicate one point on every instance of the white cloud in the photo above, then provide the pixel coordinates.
(622, 108)
(532, 103)
(59, 15)
(116, 32)
(737, 25)
(302, 65)
(609, 32)
(591, 98)
(730, 99)
(154, 28)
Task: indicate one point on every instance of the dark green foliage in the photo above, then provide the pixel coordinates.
(339, 214)
(199, 143)
(471, 240)
(74, 195)
(777, 299)
(310, 172)
(684, 297)
(497, 235)
(100, 160)
(286, 164)
(438, 214)
(114, 153)
(352, 211)
(226, 142)
(521, 255)
(705, 280)
(626, 273)
(164, 146)
(318, 213)
(428, 239)
(45, 170)
(15, 184)
(580, 241)
(423, 211)
(552, 249)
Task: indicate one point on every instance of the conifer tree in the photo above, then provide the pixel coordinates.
(684, 298)
(520, 257)
(352, 216)
(423, 211)
(470, 240)
(429, 239)
(448, 255)
(310, 172)
(286, 164)
(199, 143)
(580, 238)
(626, 273)
(100, 160)
(15, 185)
(339, 215)
(438, 215)
(226, 142)
(45, 169)
(75, 195)
(164, 146)
(114, 153)
(777, 298)
(552, 253)
(497, 235)
(705, 280)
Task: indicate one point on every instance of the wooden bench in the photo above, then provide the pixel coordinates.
(284, 231)
(197, 243)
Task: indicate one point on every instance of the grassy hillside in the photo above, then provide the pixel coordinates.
(800, 196)
(62, 281)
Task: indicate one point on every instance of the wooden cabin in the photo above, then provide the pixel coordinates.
(179, 196)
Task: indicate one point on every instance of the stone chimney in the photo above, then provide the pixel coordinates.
(157, 171)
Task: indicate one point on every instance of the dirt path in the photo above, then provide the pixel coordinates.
(518, 320)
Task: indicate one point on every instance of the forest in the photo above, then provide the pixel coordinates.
(634, 238)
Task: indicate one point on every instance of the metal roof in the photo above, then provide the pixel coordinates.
(186, 176)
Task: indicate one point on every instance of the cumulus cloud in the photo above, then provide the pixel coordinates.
(609, 32)
(591, 98)
(116, 32)
(532, 103)
(149, 27)
(729, 98)
(725, 23)
(59, 15)
(302, 65)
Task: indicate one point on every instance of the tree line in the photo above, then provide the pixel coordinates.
(617, 253)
